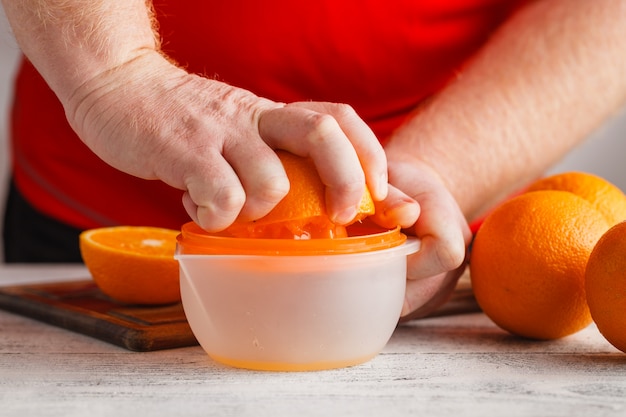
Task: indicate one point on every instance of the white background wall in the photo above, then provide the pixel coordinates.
(604, 153)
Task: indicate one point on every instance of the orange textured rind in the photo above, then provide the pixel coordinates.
(605, 196)
(528, 262)
(605, 285)
(302, 212)
(133, 265)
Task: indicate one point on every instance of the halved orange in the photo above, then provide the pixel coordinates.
(133, 264)
(301, 214)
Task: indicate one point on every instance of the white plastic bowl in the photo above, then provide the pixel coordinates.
(294, 312)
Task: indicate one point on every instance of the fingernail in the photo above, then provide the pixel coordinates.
(404, 213)
(381, 188)
(405, 308)
(345, 216)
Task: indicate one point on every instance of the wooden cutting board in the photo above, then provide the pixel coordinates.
(81, 307)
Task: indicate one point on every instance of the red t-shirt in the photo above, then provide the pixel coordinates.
(382, 58)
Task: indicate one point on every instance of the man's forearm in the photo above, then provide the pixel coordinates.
(540, 86)
(72, 41)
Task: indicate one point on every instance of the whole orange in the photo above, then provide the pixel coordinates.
(605, 284)
(302, 212)
(528, 262)
(605, 196)
(132, 264)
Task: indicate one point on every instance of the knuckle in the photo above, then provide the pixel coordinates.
(325, 126)
(229, 199)
(343, 110)
(354, 187)
(274, 189)
(321, 125)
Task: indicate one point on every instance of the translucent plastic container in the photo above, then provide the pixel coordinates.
(293, 305)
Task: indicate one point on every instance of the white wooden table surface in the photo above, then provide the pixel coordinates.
(447, 366)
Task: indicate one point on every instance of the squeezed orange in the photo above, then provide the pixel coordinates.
(301, 214)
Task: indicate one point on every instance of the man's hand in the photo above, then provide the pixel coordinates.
(444, 233)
